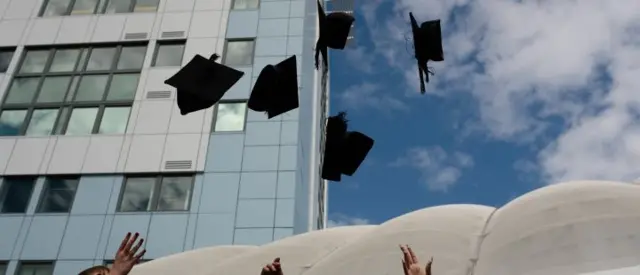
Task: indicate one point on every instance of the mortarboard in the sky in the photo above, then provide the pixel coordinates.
(427, 43)
(344, 150)
(276, 89)
(202, 83)
(334, 32)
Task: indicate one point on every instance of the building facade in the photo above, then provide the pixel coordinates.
(92, 144)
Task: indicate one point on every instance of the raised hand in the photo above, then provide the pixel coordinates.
(411, 265)
(273, 268)
(126, 256)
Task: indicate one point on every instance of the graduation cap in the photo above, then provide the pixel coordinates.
(427, 43)
(276, 89)
(344, 150)
(202, 83)
(334, 31)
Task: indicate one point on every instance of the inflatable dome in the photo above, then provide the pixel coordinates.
(585, 227)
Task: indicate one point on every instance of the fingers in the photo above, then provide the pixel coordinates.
(414, 258)
(127, 248)
(124, 242)
(137, 247)
(140, 255)
(272, 268)
(428, 268)
(405, 268)
(408, 260)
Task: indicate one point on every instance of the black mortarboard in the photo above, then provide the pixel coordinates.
(334, 31)
(276, 89)
(427, 43)
(202, 83)
(344, 150)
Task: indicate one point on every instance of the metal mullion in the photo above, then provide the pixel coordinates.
(116, 58)
(63, 130)
(132, 6)
(46, 105)
(38, 88)
(58, 118)
(70, 4)
(98, 119)
(156, 193)
(25, 123)
(74, 74)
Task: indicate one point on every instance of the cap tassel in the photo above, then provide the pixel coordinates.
(214, 57)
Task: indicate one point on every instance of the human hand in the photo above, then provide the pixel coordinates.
(273, 268)
(126, 256)
(410, 263)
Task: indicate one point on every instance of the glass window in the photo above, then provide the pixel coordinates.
(11, 122)
(175, 193)
(22, 90)
(35, 269)
(42, 122)
(64, 60)
(5, 61)
(84, 7)
(119, 6)
(114, 120)
(239, 53)
(34, 61)
(146, 5)
(3, 269)
(245, 4)
(58, 195)
(56, 7)
(230, 117)
(54, 89)
(15, 194)
(169, 55)
(62, 118)
(137, 194)
(92, 88)
(132, 58)
(81, 121)
(123, 87)
(101, 59)
(170, 193)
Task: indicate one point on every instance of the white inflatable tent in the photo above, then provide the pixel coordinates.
(574, 228)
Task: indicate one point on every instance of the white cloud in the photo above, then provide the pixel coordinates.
(530, 63)
(368, 95)
(439, 169)
(344, 220)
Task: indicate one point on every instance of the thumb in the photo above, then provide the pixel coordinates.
(277, 260)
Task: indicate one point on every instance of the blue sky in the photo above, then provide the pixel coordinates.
(513, 107)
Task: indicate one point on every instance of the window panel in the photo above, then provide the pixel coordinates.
(123, 87)
(11, 122)
(92, 88)
(56, 7)
(58, 195)
(230, 117)
(64, 60)
(34, 61)
(81, 121)
(84, 7)
(3, 269)
(239, 53)
(146, 5)
(22, 90)
(118, 6)
(114, 120)
(137, 195)
(20, 190)
(175, 193)
(54, 89)
(245, 4)
(42, 122)
(5, 61)
(35, 269)
(131, 58)
(169, 55)
(101, 59)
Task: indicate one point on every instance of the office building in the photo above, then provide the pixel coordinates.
(92, 144)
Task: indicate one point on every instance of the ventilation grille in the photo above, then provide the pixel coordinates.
(158, 94)
(177, 164)
(135, 35)
(174, 34)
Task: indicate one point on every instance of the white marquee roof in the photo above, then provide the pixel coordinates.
(563, 229)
